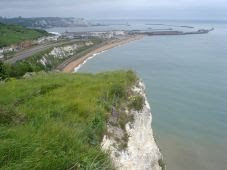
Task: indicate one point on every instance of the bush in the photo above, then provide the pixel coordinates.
(19, 69)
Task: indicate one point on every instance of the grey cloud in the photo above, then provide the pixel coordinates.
(115, 8)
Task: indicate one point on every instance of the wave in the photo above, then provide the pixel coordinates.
(76, 69)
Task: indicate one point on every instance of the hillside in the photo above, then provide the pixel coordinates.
(12, 34)
(47, 60)
(57, 121)
(45, 22)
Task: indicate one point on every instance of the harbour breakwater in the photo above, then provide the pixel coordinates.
(170, 32)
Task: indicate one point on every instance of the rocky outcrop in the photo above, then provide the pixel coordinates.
(140, 151)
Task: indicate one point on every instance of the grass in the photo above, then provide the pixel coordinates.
(57, 121)
(136, 103)
(19, 69)
(13, 34)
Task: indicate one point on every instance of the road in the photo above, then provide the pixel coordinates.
(31, 51)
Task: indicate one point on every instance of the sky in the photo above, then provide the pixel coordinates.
(117, 9)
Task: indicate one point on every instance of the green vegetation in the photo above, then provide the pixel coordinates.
(18, 69)
(3, 71)
(57, 121)
(12, 34)
(41, 22)
(33, 64)
(162, 164)
(136, 103)
(52, 61)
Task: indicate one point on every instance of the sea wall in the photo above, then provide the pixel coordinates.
(141, 151)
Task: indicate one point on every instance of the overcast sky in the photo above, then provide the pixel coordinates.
(117, 9)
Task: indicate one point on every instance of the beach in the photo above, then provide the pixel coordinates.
(75, 64)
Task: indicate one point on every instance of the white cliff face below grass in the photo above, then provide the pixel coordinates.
(62, 53)
(141, 153)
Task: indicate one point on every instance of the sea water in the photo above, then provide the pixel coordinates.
(186, 84)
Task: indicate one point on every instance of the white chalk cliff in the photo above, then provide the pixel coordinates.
(141, 152)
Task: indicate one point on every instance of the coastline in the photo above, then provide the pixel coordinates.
(141, 151)
(77, 63)
(144, 154)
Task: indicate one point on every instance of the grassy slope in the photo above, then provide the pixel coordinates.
(12, 34)
(56, 121)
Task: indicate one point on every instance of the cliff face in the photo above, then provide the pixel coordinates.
(140, 151)
(59, 54)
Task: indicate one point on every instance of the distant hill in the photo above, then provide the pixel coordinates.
(12, 34)
(45, 22)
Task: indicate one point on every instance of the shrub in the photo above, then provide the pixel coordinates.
(19, 69)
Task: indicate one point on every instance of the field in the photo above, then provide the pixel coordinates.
(57, 121)
(13, 34)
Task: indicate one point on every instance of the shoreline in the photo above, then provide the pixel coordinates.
(77, 63)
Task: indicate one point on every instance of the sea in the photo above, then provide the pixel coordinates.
(186, 85)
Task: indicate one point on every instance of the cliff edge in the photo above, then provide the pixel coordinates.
(133, 146)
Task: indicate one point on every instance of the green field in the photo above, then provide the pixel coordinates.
(12, 34)
(57, 121)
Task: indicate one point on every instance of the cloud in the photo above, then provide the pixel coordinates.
(115, 8)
